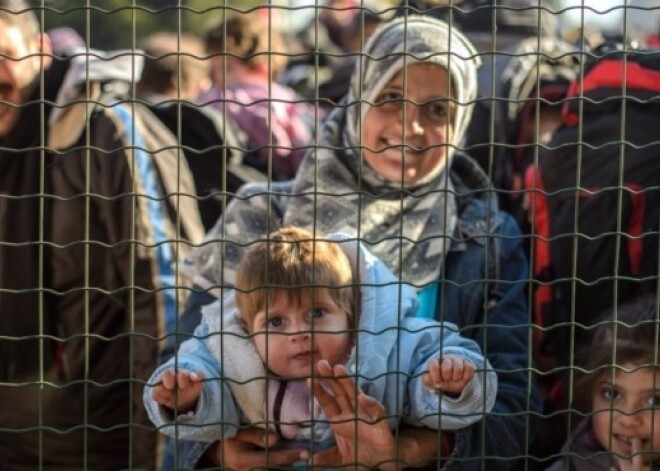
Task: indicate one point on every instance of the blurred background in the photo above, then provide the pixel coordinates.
(110, 24)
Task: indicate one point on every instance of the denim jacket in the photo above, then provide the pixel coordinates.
(483, 292)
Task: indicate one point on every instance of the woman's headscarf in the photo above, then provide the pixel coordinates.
(408, 226)
(405, 41)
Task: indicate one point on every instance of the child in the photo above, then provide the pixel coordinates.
(299, 303)
(622, 380)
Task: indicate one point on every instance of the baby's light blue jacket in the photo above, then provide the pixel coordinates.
(388, 360)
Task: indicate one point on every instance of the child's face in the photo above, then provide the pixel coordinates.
(291, 339)
(629, 414)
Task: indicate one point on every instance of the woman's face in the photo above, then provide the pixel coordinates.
(406, 129)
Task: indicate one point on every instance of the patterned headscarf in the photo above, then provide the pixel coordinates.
(409, 227)
(405, 41)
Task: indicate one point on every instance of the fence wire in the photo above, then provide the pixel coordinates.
(473, 281)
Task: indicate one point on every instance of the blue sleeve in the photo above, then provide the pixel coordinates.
(428, 340)
(495, 315)
(216, 415)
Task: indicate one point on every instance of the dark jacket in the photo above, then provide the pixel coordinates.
(584, 453)
(83, 251)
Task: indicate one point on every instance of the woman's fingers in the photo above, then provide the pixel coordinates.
(256, 436)
(345, 389)
(247, 451)
(327, 458)
(335, 392)
(370, 408)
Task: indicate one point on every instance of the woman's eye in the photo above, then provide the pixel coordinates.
(275, 322)
(390, 99)
(436, 110)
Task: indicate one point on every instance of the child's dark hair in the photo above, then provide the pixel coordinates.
(627, 334)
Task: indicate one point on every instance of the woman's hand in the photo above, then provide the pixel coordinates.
(248, 450)
(353, 417)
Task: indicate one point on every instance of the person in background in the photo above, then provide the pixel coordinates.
(389, 170)
(88, 253)
(65, 40)
(176, 73)
(525, 75)
(175, 66)
(247, 54)
(298, 303)
(327, 48)
(618, 381)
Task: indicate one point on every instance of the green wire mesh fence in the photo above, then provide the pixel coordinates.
(473, 283)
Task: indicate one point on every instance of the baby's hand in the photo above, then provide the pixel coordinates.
(448, 374)
(178, 391)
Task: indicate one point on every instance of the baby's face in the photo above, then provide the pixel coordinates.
(626, 409)
(291, 339)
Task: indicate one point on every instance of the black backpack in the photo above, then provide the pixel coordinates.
(215, 151)
(595, 201)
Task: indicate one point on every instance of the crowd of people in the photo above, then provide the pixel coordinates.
(251, 248)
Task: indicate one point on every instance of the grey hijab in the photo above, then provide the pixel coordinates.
(409, 227)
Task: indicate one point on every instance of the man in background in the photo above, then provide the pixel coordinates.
(92, 230)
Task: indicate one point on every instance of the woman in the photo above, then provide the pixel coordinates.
(387, 170)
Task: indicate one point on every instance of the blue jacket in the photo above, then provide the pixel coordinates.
(483, 292)
(393, 349)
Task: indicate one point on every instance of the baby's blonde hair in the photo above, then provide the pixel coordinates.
(292, 262)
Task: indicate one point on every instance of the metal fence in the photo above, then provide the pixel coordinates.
(479, 196)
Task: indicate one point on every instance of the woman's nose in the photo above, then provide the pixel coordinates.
(411, 116)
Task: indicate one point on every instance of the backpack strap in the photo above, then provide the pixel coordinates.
(151, 138)
(235, 140)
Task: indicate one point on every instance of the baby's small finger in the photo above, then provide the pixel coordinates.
(428, 381)
(196, 377)
(468, 370)
(434, 370)
(447, 369)
(168, 379)
(183, 379)
(459, 369)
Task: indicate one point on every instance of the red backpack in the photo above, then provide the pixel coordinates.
(594, 199)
